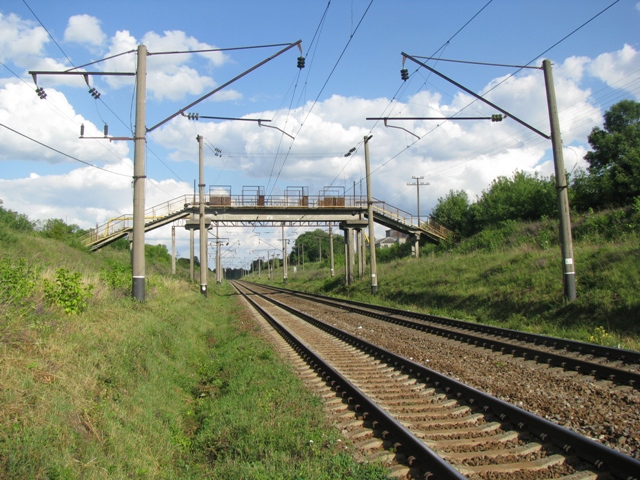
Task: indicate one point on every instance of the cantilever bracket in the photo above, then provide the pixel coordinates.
(400, 128)
(271, 126)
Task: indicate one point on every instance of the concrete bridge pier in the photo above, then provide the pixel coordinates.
(415, 249)
(349, 254)
(349, 227)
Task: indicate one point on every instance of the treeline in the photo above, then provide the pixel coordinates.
(612, 180)
(12, 222)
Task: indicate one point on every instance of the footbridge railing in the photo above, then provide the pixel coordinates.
(383, 211)
(182, 206)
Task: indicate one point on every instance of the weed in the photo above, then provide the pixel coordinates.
(18, 281)
(67, 291)
(600, 336)
(117, 276)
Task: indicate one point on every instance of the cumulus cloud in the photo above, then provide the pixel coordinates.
(84, 29)
(616, 68)
(449, 154)
(58, 126)
(20, 40)
(168, 76)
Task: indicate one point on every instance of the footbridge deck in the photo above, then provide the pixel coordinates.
(261, 210)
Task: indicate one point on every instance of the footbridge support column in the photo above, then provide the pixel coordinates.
(348, 227)
(414, 238)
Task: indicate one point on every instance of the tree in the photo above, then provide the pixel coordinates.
(453, 212)
(59, 230)
(615, 158)
(522, 197)
(157, 253)
(314, 244)
(14, 220)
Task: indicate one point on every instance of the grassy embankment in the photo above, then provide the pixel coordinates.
(511, 276)
(178, 387)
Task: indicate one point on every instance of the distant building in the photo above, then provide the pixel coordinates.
(391, 238)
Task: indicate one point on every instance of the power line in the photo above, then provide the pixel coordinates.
(48, 33)
(59, 112)
(504, 80)
(402, 86)
(313, 44)
(325, 83)
(61, 153)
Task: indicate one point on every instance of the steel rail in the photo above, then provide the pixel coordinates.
(585, 367)
(417, 452)
(572, 443)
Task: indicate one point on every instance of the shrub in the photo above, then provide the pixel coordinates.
(15, 221)
(18, 281)
(67, 291)
(117, 276)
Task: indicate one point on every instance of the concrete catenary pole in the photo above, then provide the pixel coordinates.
(417, 185)
(173, 249)
(566, 242)
(203, 227)
(139, 177)
(372, 241)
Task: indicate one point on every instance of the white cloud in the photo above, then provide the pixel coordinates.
(450, 155)
(168, 76)
(616, 68)
(175, 82)
(176, 40)
(22, 43)
(84, 29)
(58, 126)
(20, 40)
(84, 196)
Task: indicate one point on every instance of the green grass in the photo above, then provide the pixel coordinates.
(511, 277)
(178, 387)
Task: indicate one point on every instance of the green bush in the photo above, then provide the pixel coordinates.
(67, 291)
(117, 276)
(18, 281)
(610, 225)
(15, 221)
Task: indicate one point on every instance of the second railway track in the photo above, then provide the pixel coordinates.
(481, 436)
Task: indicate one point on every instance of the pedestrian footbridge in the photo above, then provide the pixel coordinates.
(251, 208)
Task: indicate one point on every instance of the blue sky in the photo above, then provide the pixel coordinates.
(353, 61)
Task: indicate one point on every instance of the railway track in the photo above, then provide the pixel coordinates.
(433, 425)
(606, 363)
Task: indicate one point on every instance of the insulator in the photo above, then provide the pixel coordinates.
(41, 93)
(193, 116)
(300, 62)
(496, 117)
(404, 74)
(106, 130)
(94, 93)
(82, 130)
